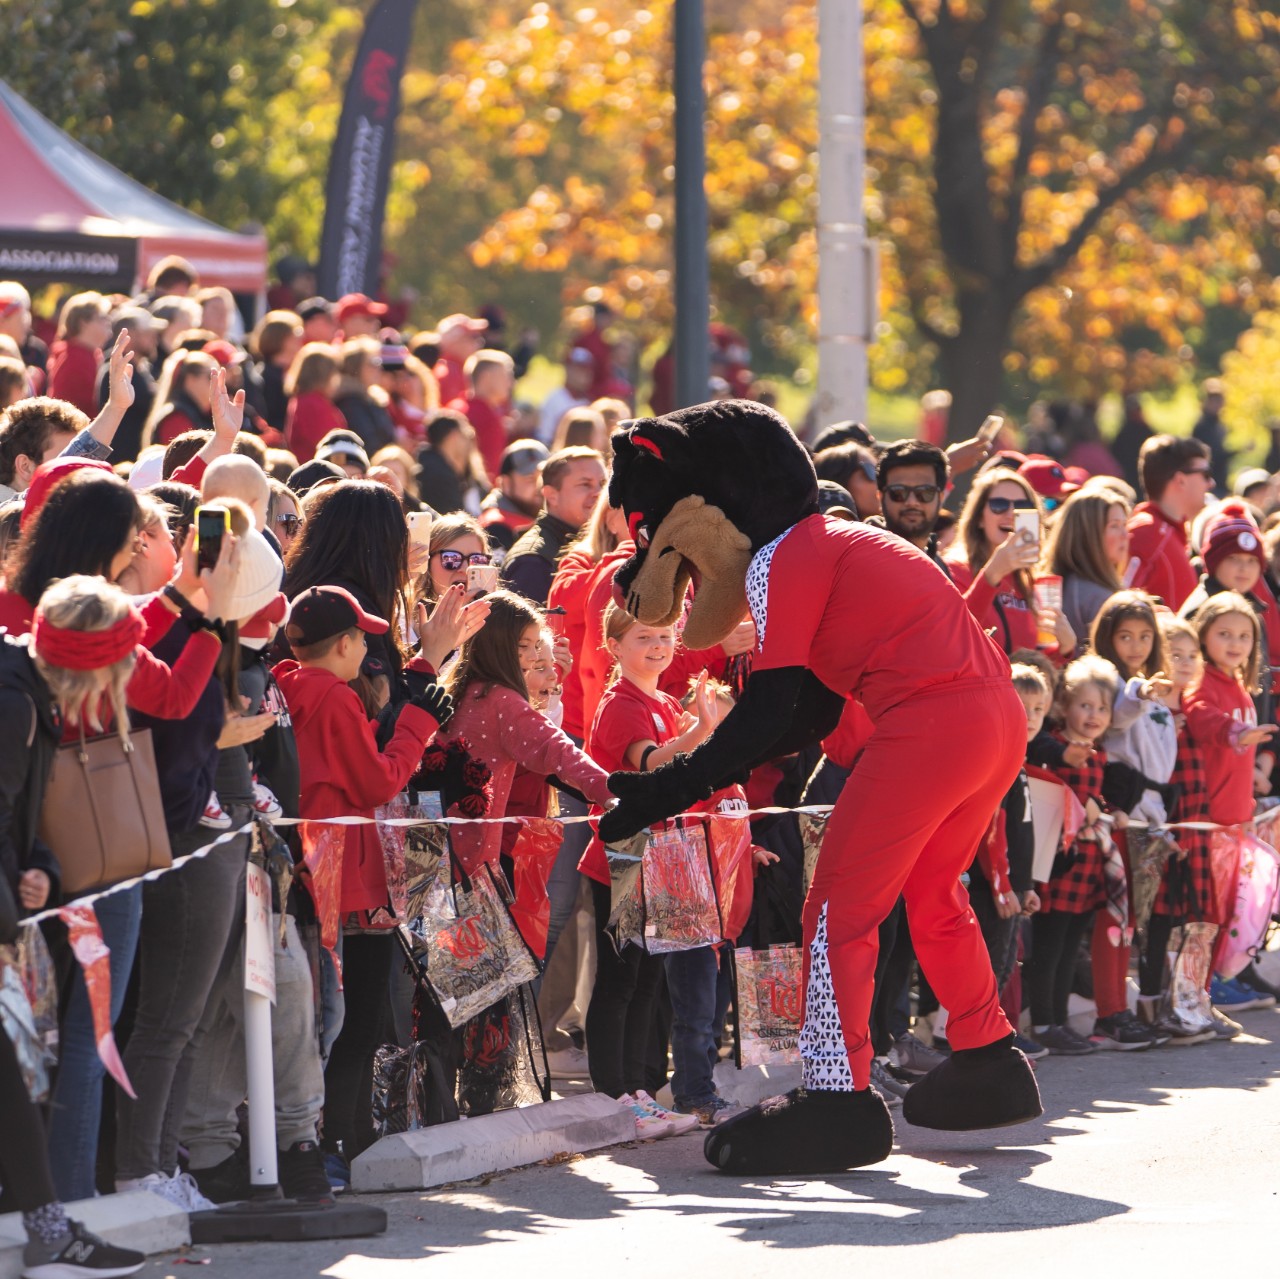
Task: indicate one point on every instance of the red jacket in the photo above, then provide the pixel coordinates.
(1218, 710)
(308, 419)
(343, 772)
(451, 379)
(996, 608)
(73, 375)
(1158, 554)
(490, 427)
(569, 589)
(154, 688)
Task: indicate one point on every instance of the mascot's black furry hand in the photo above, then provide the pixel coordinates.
(645, 799)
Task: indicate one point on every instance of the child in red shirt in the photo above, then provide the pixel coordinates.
(1222, 722)
(637, 728)
(344, 774)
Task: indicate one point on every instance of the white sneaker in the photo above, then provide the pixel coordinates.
(648, 1125)
(180, 1190)
(679, 1123)
(215, 816)
(568, 1063)
(265, 804)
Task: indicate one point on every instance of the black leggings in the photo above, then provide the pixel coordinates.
(366, 1026)
(620, 1019)
(24, 1160)
(1152, 961)
(1055, 942)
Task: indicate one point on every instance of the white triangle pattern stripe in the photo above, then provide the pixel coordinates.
(822, 1046)
(758, 584)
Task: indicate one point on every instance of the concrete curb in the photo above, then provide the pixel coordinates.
(135, 1219)
(491, 1143)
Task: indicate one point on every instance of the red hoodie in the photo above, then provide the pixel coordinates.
(1218, 710)
(73, 374)
(343, 772)
(569, 589)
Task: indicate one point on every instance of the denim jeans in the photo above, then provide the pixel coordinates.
(188, 920)
(333, 1008)
(76, 1108)
(693, 979)
(565, 878)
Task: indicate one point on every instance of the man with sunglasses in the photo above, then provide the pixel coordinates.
(1177, 479)
(912, 477)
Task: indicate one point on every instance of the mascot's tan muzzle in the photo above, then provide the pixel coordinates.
(699, 538)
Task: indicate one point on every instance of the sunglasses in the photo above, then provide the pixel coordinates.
(1003, 505)
(452, 561)
(290, 523)
(1197, 470)
(923, 493)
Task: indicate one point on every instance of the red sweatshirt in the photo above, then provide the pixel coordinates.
(569, 589)
(308, 419)
(996, 608)
(343, 772)
(154, 688)
(73, 375)
(1218, 710)
(1159, 545)
(502, 729)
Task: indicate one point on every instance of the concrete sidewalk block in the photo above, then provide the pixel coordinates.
(492, 1143)
(135, 1219)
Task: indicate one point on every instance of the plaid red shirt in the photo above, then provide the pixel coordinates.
(1078, 885)
(1192, 899)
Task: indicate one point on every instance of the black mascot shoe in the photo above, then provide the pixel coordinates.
(803, 1132)
(989, 1087)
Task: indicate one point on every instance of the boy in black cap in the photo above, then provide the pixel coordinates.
(344, 774)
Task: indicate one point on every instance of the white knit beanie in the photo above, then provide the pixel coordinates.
(259, 578)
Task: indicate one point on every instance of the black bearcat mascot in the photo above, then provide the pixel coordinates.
(723, 495)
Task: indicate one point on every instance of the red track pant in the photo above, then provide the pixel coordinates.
(909, 821)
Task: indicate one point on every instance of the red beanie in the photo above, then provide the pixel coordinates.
(1231, 531)
(49, 474)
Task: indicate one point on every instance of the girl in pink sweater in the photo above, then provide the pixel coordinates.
(494, 716)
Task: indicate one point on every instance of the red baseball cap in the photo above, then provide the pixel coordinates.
(224, 352)
(50, 474)
(1047, 477)
(358, 304)
(325, 611)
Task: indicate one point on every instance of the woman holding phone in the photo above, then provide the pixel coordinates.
(992, 559)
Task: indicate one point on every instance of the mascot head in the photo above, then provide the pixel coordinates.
(703, 490)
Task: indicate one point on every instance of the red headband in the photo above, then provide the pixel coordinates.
(87, 650)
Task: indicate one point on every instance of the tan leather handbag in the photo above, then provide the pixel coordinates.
(102, 815)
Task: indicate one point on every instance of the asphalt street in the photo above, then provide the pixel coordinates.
(1168, 1157)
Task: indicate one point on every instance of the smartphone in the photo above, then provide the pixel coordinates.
(1027, 522)
(481, 579)
(988, 431)
(556, 619)
(212, 524)
(419, 527)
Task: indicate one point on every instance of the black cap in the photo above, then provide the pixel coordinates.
(309, 474)
(325, 611)
(834, 497)
(523, 457)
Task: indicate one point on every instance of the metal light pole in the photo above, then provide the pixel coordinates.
(847, 264)
(693, 296)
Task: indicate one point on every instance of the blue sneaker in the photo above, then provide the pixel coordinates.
(338, 1171)
(1230, 996)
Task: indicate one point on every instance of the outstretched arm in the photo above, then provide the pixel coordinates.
(780, 712)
